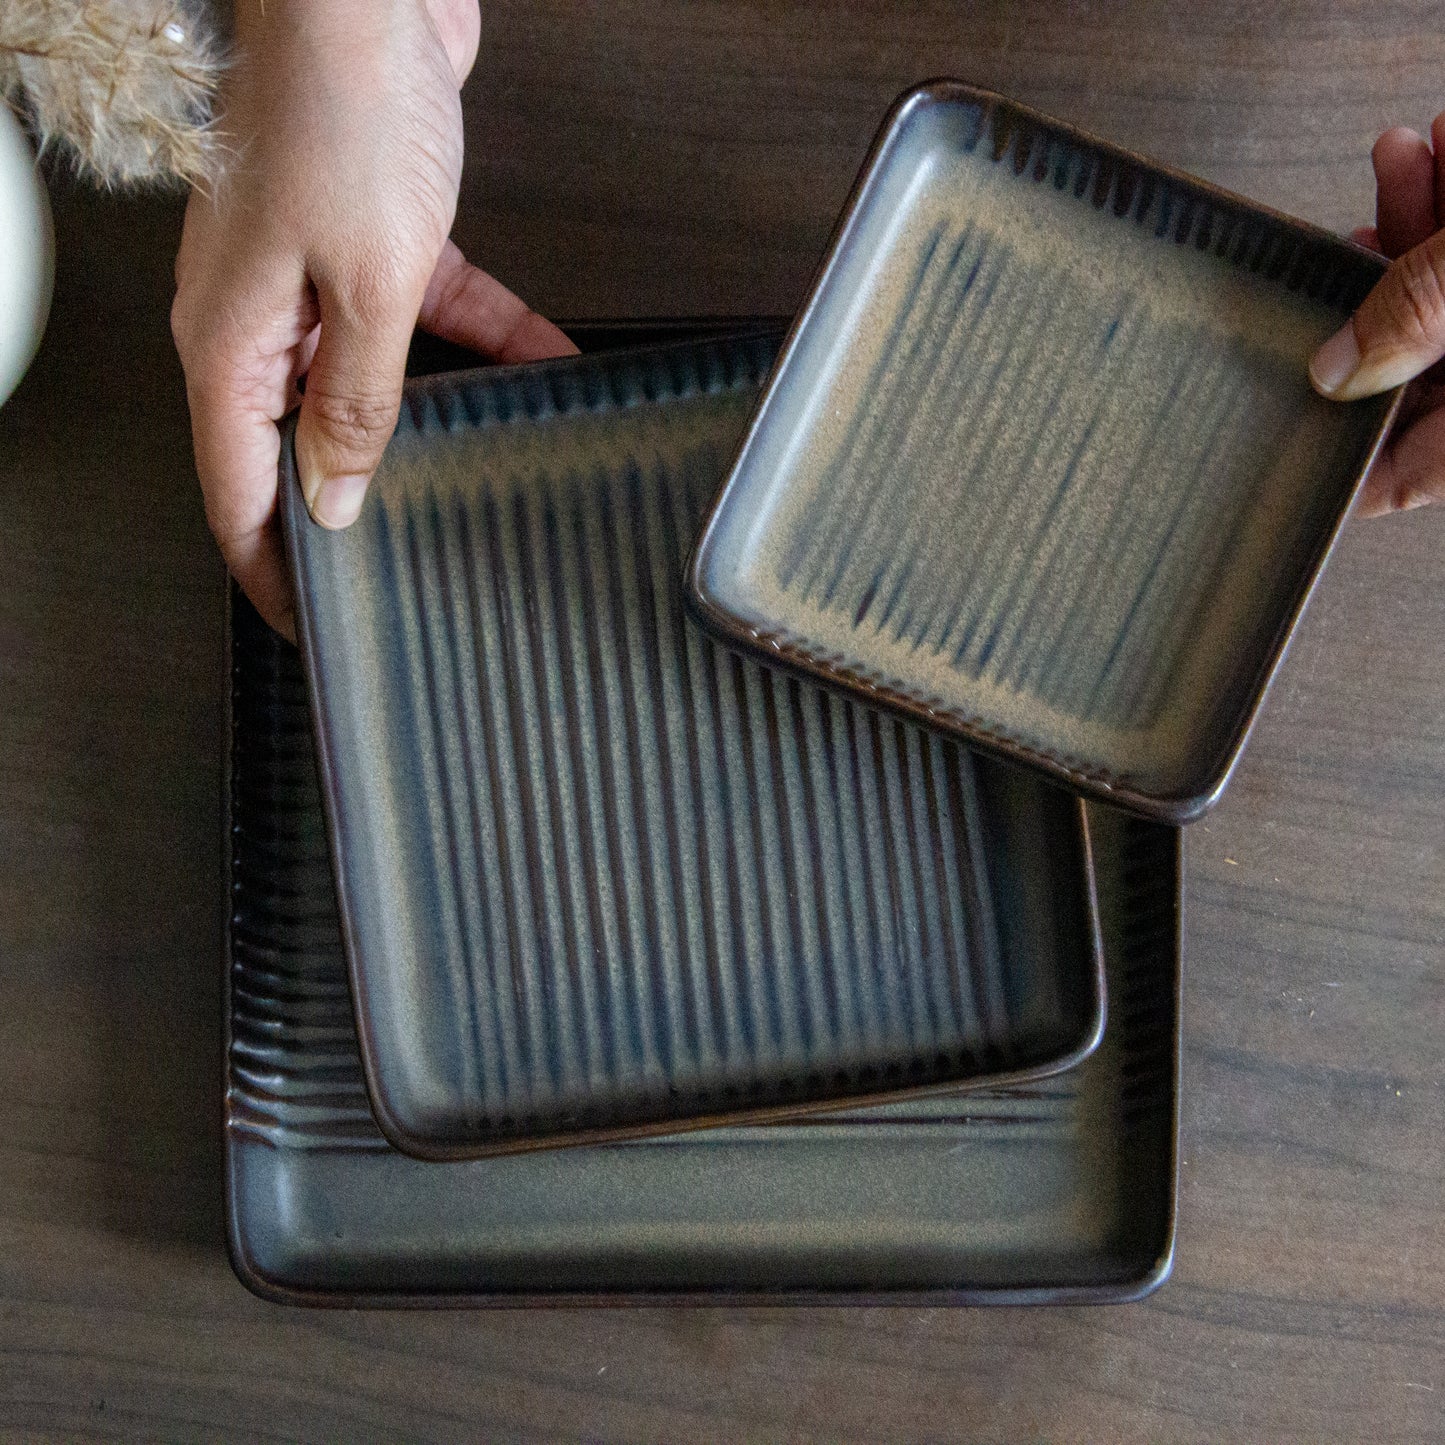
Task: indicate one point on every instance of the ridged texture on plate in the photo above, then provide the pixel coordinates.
(295, 1070)
(673, 901)
(1083, 588)
(295, 1076)
(601, 872)
(1043, 458)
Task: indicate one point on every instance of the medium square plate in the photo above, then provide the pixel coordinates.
(1040, 463)
(600, 876)
(1060, 1191)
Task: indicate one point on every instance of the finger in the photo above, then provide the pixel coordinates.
(257, 560)
(466, 306)
(1397, 332)
(353, 396)
(1437, 139)
(237, 448)
(1404, 190)
(1410, 472)
(301, 361)
(1368, 237)
(459, 28)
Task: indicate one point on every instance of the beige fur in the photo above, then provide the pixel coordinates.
(123, 86)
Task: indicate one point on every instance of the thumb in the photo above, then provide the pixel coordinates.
(350, 406)
(1398, 331)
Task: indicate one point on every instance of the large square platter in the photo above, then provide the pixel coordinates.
(1057, 1191)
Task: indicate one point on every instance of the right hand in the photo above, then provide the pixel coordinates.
(322, 246)
(1398, 332)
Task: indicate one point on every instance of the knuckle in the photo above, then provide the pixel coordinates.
(465, 291)
(352, 420)
(207, 345)
(208, 362)
(181, 325)
(1419, 292)
(221, 519)
(233, 518)
(430, 195)
(381, 284)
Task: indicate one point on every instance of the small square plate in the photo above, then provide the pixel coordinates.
(599, 876)
(1040, 463)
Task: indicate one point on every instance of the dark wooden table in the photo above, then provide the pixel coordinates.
(640, 158)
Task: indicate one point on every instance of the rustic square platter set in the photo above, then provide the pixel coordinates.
(757, 761)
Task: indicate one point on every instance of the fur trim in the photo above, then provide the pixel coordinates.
(123, 87)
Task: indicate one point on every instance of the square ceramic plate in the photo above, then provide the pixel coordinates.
(1061, 1191)
(1040, 463)
(599, 876)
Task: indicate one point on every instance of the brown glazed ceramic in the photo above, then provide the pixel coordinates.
(1040, 464)
(599, 876)
(1058, 1191)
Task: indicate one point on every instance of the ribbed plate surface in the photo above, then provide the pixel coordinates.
(1059, 1190)
(599, 874)
(1041, 461)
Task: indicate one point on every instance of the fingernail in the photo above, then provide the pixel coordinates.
(338, 502)
(1336, 361)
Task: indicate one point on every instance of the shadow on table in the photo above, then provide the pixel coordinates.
(111, 903)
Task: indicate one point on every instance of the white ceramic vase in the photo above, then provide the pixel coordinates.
(27, 252)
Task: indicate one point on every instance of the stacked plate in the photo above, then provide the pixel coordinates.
(797, 922)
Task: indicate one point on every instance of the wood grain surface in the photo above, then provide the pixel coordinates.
(632, 159)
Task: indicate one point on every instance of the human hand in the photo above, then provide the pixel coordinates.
(1399, 330)
(320, 249)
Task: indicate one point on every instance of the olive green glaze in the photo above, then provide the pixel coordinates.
(1040, 463)
(598, 875)
(1057, 1191)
